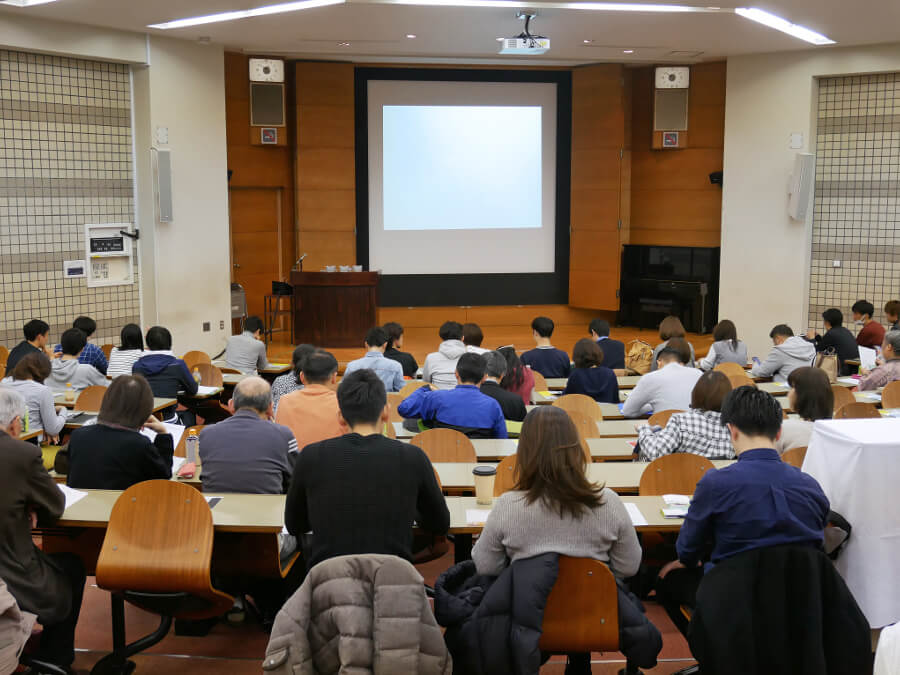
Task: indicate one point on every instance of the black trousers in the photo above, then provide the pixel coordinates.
(679, 588)
(57, 643)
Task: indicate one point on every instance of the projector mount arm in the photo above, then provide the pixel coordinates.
(528, 15)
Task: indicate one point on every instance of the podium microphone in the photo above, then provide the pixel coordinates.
(299, 262)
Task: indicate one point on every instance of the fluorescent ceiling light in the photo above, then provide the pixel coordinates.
(245, 14)
(783, 25)
(596, 6)
(25, 3)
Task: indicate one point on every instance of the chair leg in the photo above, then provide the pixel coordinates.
(118, 663)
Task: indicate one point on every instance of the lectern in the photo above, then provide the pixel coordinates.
(334, 309)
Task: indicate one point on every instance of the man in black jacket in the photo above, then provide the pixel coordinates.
(510, 403)
(836, 337)
(613, 350)
(36, 332)
(166, 374)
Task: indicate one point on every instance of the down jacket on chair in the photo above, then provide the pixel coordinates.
(360, 614)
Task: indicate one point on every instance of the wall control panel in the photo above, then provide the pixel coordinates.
(109, 254)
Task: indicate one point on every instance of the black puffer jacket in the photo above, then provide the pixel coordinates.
(494, 623)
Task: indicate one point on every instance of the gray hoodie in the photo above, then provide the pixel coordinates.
(440, 366)
(793, 353)
(81, 375)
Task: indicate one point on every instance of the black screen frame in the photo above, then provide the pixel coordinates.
(470, 289)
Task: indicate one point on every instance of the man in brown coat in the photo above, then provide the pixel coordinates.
(50, 586)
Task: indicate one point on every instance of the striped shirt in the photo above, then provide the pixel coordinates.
(122, 360)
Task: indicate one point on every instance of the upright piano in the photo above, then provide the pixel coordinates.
(661, 280)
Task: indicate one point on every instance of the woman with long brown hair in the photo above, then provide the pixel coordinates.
(670, 327)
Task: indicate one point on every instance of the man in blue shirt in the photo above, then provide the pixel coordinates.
(92, 355)
(463, 408)
(545, 358)
(758, 501)
(389, 371)
(613, 350)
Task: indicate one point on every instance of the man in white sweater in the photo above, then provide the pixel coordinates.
(668, 387)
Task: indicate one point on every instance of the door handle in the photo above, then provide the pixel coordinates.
(236, 266)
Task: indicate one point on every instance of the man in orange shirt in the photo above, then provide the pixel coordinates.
(312, 413)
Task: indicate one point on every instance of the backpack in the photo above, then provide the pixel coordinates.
(638, 357)
(828, 361)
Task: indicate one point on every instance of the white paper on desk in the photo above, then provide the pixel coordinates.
(72, 496)
(677, 500)
(872, 396)
(207, 391)
(867, 358)
(477, 516)
(848, 380)
(175, 429)
(675, 511)
(637, 518)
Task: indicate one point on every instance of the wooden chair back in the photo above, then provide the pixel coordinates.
(890, 396)
(794, 456)
(410, 387)
(581, 403)
(677, 473)
(445, 445)
(210, 375)
(741, 380)
(587, 426)
(193, 358)
(230, 371)
(506, 475)
(394, 399)
(107, 350)
(4, 353)
(540, 382)
(582, 611)
(181, 448)
(661, 418)
(729, 369)
(857, 411)
(90, 398)
(160, 539)
(842, 396)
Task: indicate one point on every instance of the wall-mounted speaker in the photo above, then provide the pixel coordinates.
(800, 185)
(164, 185)
(266, 104)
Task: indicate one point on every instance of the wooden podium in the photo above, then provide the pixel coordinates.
(334, 309)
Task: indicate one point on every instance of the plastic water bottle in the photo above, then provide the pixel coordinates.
(70, 393)
(191, 444)
(197, 376)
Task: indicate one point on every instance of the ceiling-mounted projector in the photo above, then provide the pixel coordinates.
(525, 43)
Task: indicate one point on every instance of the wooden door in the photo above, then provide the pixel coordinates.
(255, 242)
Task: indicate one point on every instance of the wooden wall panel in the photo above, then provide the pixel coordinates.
(672, 200)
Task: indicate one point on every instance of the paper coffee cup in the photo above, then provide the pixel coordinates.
(484, 483)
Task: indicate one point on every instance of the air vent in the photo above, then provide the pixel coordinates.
(685, 54)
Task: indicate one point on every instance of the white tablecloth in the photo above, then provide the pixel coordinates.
(857, 463)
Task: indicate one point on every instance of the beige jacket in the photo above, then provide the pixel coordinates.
(359, 614)
(15, 629)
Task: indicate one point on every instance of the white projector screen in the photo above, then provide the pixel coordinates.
(462, 177)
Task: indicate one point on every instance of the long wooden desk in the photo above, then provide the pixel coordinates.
(602, 449)
(158, 403)
(625, 382)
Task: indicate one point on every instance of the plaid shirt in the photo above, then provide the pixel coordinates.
(699, 432)
(92, 355)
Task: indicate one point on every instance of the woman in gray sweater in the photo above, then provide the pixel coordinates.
(555, 508)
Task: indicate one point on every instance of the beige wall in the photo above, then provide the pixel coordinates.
(765, 254)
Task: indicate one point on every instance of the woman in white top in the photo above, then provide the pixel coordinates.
(810, 397)
(27, 378)
(131, 348)
(726, 348)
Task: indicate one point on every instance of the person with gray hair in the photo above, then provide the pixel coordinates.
(48, 585)
(248, 452)
(888, 371)
(510, 403)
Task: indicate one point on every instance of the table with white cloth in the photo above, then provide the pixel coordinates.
(857, 463)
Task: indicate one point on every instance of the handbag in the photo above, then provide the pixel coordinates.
(638, 357)
(828, 361)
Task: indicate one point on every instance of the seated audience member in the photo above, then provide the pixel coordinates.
(395, 342)
(248, 452)
(28, 380)
(554, 508)
(518, 378)
(758, 501)
(790, 352)
(92, 355)
(670, 327)
(463, 408)
(130, 349)
(440, 366)
(360, 492)
(590, 375)
(247, 352)
(613, 350)
(698, 431)
(670, 387)
(67, 369)
(872, 333)
(48, 585)
(472, 339)
(545, 358)
(892, 314)
(285, 384)
(726, 348)
(390, 371)
(113, 454)
(887, 371)
(810, 397)
(836, 338)
(494, 371)
(312, 412)
(166, 374)
(35, 342)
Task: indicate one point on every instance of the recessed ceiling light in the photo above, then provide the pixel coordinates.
(410, 36)
(25, 3)
(343, 44)
(587, 42)
(245, 13)
(628, 51)
(783, 25)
